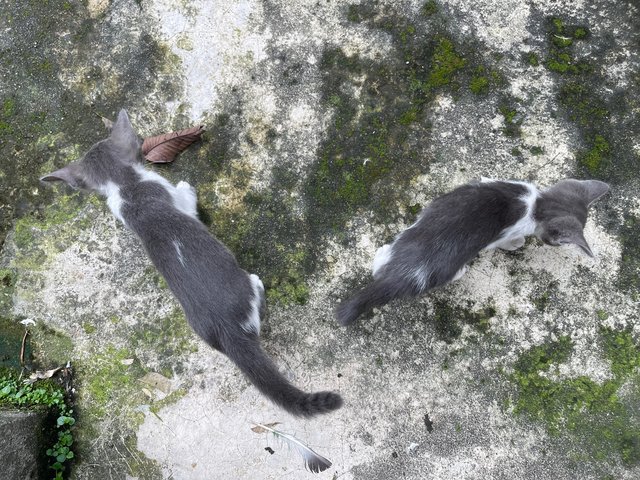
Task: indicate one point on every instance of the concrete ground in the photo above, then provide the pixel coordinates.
(329, 125)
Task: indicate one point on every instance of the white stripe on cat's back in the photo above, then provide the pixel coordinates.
(526, 225)
(252, 323)
(382, 257)
(177, 244)
(183, 199)
(149, 176)
(114, 200)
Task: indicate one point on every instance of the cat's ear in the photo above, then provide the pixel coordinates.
(124, 136)
(577, 238)
(593, 189)
(69, 175)
(565, 231)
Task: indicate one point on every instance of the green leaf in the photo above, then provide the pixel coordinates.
(61, 458)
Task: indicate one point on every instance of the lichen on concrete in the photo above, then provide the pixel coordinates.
(329, 126)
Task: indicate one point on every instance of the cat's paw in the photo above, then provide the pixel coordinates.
(513, 244)
(182, 185)
(460, 273)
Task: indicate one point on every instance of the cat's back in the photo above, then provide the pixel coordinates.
(180, 246)
(456, 226)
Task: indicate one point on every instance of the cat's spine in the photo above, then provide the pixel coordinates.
(248, 355)
(376, 294)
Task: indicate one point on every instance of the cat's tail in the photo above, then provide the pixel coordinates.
(377, 293)
(254, 362)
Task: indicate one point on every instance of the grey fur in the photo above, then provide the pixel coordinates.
(455, 227)
(217, 296)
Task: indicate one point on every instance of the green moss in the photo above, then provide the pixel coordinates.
(536, 150)
(533, 59)
(580, 33)
(41, 236)
(542, 299)
(559, 58)
(361, 12)
(479, 85)
(429, 8)
(582, 103)
(445, 63)
(446, 317)
(106, 381)
(88, 328)
(368, 148)
(51, 347)
(170, 338)
(139, 465)
(594, 158)
(512, 122)
(8, 278)
(558, 25)
(11, 345)
(629, 266)
(410, 116)
(170, 399)
(593, 414)
(561, 42)
(414, 209)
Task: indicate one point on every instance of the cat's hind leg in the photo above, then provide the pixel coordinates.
(185, 199)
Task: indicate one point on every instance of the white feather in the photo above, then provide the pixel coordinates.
(313, 461)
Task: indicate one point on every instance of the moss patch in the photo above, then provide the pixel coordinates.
(629, 273)
(51, 347)
(447, 318)
(512, 120)
(11, 344)
(595, 415)
(370, 151)
(8, 279)
(169, 338)
(593, 158)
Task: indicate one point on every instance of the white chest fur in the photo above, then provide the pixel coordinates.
(525, 226)
(114, 200)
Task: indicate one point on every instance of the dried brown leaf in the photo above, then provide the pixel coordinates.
(41, 375)
(164, 148)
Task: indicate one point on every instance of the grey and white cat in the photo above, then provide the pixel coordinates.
(455, 227)
(222, 303)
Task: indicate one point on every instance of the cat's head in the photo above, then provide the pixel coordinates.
(561, 212)
(106, 161)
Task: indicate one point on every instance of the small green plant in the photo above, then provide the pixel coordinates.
(48, 395)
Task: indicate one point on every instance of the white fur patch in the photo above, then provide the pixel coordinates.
(114, 200)
(252, 324)
(526, 225)
(184, 198)
(382, 257)
(177, 244)
(420, 277)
